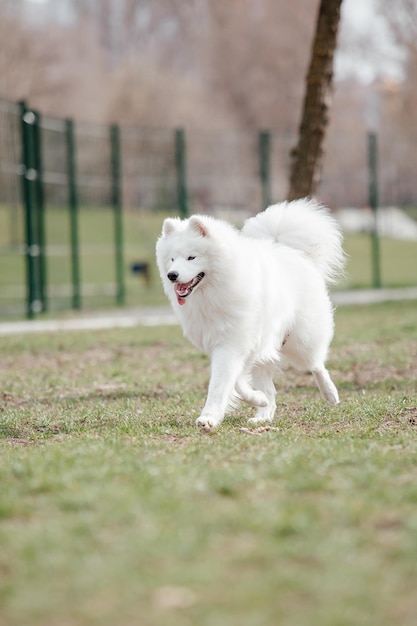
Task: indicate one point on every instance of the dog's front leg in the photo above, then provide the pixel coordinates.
(226, 367)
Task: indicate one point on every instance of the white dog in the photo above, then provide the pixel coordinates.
(254, 300)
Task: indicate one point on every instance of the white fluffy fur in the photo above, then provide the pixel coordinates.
(262, 303)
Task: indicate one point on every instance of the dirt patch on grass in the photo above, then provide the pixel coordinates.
(365, 364)
(17, 442)
(10, 400)
(409, 414)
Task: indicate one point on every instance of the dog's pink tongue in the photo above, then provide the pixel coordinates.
(180, 290)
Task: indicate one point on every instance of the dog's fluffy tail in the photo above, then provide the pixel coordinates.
(306, 226)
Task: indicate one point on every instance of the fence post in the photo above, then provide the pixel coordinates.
(40, 222)
(73, 210)
(265, 166)
(29, 176)
(374, 203)
(117, 209)
(181, 167)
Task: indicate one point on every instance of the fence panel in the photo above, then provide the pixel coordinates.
(281, 146)
(57, 213)
(344, 181)
(78, 175)
(12, 232)
(96, 218)
(149, 177)
(398, 168)
(223, 171)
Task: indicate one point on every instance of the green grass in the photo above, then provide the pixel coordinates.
(141, 229)
(398, 262)
(114, 509)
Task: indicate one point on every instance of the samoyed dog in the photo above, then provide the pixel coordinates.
(254, 300)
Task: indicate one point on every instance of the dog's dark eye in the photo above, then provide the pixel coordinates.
(191, 258)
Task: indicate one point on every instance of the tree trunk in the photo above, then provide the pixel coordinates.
(306, 157)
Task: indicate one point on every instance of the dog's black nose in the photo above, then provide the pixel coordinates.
(173, 276)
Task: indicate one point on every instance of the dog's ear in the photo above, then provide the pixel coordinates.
(170, 225)
(196, 223)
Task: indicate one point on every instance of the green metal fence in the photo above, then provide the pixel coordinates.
(73, 198)
(56, 170)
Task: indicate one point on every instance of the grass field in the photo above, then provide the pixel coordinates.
(97, 264)
(115, 510)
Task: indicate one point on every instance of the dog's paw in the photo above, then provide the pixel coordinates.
(207, 422)
(335, 400)
(262, 416)
(330, 394)
(260, 419)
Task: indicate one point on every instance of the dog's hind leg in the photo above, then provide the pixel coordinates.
(325, 384)
(254, 397)
(263, 379)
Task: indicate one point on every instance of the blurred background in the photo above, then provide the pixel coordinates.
(203, 63)
(190, 87)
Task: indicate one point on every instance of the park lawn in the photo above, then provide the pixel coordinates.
(115, 509)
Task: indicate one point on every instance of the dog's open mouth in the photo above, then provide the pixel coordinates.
(184, 289)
